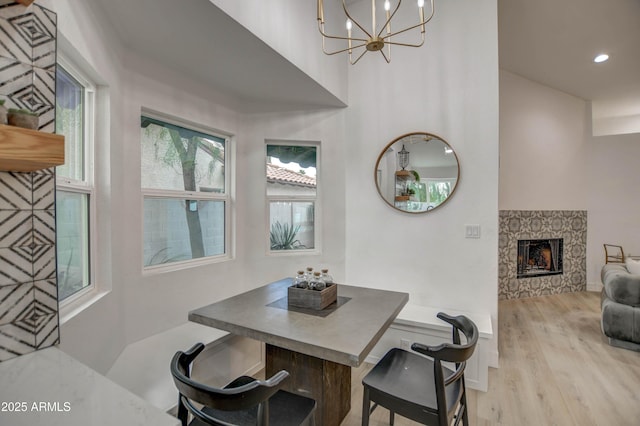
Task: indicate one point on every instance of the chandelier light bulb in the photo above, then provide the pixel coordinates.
(601, 58)
(349, 25)
(387, 5)
(420, 3)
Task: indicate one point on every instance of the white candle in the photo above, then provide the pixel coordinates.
(387, 8)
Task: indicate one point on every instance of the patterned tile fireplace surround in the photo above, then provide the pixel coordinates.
(28, 288)
(568, 225)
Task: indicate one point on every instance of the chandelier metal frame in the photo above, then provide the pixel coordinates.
(375, 40)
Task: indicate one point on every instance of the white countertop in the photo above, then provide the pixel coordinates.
(49, 387)
(154, 383)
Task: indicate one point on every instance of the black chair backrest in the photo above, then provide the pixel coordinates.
(238, 398)
(453, 352)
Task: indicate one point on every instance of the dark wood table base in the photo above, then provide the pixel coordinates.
(329, 383)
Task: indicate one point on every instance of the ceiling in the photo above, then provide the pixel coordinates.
(548, 41)
(553, 42)
(198, 40)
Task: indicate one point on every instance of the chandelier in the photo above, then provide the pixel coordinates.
(376, 39)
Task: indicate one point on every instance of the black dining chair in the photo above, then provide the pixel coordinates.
(244, 401)
(417, 385)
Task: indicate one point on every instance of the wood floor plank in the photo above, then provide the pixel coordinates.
(555, 369)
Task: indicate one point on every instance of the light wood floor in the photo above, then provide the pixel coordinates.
(555, 369)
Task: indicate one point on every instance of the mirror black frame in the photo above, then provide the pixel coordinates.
(389, 145)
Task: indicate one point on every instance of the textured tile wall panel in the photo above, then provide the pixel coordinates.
(15, 191)
(16, 267)
(514, 225)
(16, 80)
(28, 286)
(15, 34)
(44, 227)
(16, 340)
(44, 262)
(43, 39)
(16, 228)
(44, 190)
(43, 99)
(17, 299)
(46, 314)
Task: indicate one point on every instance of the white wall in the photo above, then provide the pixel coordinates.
(155, 302)
(448, 87)
(550, 161)
(325, 127)
(543, 147)
(139, 305)
(613, 217)
(290, 28)
(158, 301)
(97, 335)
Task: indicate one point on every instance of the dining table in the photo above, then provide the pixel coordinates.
(317, 347)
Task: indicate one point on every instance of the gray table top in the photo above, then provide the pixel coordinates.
(344, 335)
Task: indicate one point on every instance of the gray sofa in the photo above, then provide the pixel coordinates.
(620, 303)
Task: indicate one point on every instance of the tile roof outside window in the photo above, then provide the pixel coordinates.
(277, 174)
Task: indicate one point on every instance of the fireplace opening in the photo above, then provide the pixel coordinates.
(539, 257)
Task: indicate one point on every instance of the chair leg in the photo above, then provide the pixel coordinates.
(183, 414)
(465, 412)
(391, 417)
(366, 406)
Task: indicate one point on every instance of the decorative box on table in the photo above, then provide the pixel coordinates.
(312, 299)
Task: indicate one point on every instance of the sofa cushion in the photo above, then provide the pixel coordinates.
(621, 286)
(633, 266)
(620, 322)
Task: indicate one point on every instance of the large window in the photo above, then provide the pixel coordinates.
(74, 180)
(291, 173)
(186, 192)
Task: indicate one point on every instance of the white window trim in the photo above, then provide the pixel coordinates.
(78, 301)
(227, 197)
(317, 214)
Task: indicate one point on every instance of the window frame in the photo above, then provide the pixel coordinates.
(226, 197)
(316, 200)
(87, 185)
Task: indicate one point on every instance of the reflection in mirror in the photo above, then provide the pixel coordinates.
(417, 172)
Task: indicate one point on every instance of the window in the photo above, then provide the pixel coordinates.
(292, 196)
(74, 180)
(438, 190)
(185, 190)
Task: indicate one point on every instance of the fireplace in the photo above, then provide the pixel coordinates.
(516, 225)
(539, 257)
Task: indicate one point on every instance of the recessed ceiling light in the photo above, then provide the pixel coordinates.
(601, 58)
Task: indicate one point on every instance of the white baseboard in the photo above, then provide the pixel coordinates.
(594, 286)
(494, 359)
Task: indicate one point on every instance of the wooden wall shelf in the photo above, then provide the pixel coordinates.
(25, 150)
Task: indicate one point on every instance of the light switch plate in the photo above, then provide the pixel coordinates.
(472, 231)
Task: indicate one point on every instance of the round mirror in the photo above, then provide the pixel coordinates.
(417, 172)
